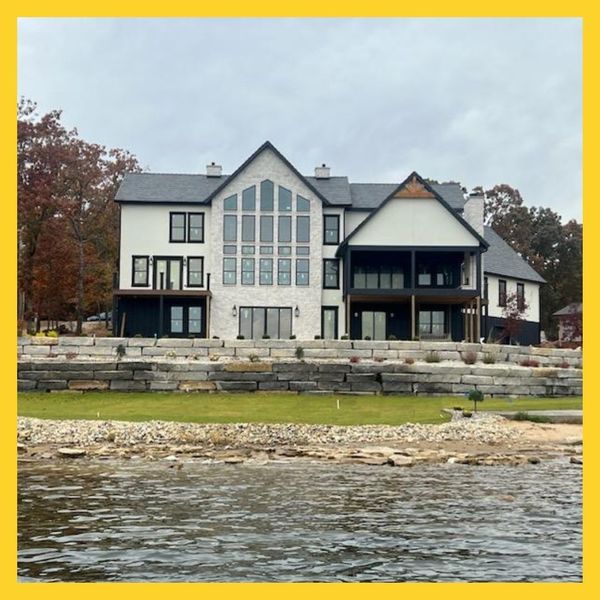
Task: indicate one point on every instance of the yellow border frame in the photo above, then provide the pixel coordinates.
(303, 8)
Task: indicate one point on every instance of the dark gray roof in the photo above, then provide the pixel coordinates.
(167, 187)
(501, 259)
(335, 189)
(368, 196)
(575, 308)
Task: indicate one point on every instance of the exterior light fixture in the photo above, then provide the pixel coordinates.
(234, 311)
(296, 312)
(150, 261)
(184, 261)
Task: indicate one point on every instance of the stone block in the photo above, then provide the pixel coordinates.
(164, 386)
(312, 344)
(238, 343)
(218, 351)
(359, 353)
(134, 365)
(400, 377)
(283, 353)
(450, 355)
(460, 388)
(182, 375)
(333, 367)
(197, 386)
(295, 367)
(24, 385)
(140, 342)
(491, 371)
(49, 375)
(361, 377)
(85, 385)
(143, 375)
(404, 345)
(385, 354)
(119, 385)
(165, 351)
(206, 343)
(36, 350)
(366, 386)
(320, 353)
(397, 387)
(237, 386)
(334, 386)
(113, 342)
(289, 344)
(477, 380)
(302, 386)
(435, 388)
(512, 380)
(98, 351)
(444, 378)
(273, 385)
(41, 341)
(75, 341)
(248, 367)
(369, 367)
(338, 344)
(174, 343)
(370, 345)
(226, 376)
(56, 384)
(120, 375)
(449, 346)
(496, 390)
(247, 352)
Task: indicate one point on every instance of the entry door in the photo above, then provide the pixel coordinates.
(329, 323)
(167, 273)
(184, 320)
(373, 325)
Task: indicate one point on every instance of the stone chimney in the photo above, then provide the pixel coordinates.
(473, 210)
(322, 172)
(213, 170)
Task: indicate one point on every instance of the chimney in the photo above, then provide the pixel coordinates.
(473, 210)
(322, 172)
(213, 170)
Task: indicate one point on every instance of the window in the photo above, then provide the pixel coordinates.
(265, 276)
(167, 273)
(247, 271)
(266, 195)
(266, 250)
(230, 228)
(229, 271)
(195, 271)
(139, 271)
(302, 229)
(373, 325)
(284, 271)
(248, 228)
(302, 250)
(521, 296)
(329, 322)
(196, 228)
(229, 249)
(331, 224)
(383, 277)
(266, 229)
(248, 250)
(255, 322)
(177, 227)
(302, 271)
(501, 292)
(284, 250)
(423, 274)
(285, 199)
(284, 233)
(195, 319)
(302, 204)
(249, 198)
(230, 203)
(485, 288)
(176, 319)
(331, 274)
(432, 323)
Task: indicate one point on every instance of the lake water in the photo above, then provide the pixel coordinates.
(137, 520)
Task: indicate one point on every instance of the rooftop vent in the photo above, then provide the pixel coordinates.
(213, 170)
(322, 172)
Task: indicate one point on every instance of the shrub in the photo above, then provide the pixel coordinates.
(469, 358)
(137, 335)
(489, 358)
(254, 358)
(409, 360)
(530, 362)
(344, 337)
(171, 354)
(354, 359)
(266, 336)
(71, 355)
(379, 359)
(211, 357)
(52, 333)
(475, 396)
(292, 337)
(432, 357)
(121, 351)
(392, 338)
(215, 337)
(317, 337)
(240, 337)
(299, 352)
(367, 338)
(563, 365)
(467, 414)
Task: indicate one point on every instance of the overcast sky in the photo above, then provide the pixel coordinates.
(480, 101)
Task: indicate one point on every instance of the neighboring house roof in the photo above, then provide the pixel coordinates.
(411, 178)
(368, 196)
(501, 259)
(575, 308)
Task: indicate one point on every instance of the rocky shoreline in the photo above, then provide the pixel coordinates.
(487, 440)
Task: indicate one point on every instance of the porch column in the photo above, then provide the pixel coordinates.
(478, 319)
(208, 317)
(348, 311)
(413, 332)
(465, 315)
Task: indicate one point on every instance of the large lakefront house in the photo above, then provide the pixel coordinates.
(267, 251)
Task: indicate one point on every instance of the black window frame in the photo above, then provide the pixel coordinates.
(234, 270)
(502, 292)
(171, 215)
(521, 296)
(281, 261)
(228, 218)
(271, 230)
(303, 219)
(265, 261)
(430, 333)
(284, 219)
(279, 200)
(187, 272)
(169, 259)
(263, 192)
(248, 219)
(485, 288)
(335, 261)
(298, 261)
(250, 260)
(325, 229)
(337, 323)
(189, 227)
(249, 194)
(133, 271)
(288, 311)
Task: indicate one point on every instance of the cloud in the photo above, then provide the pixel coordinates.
(482, 101)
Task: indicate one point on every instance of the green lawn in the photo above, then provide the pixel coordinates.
(262, 408)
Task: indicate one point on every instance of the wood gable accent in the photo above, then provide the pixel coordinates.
(413, 189)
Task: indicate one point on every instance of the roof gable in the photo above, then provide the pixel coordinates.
(414, 187)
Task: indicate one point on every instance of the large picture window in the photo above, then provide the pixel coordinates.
(266, 271)
(139, 272)
(302, 271)
(196, 228)
(229, 270)
(266, 228)
(230, 228)
(230, 203)
(266, 195)
(257, 322)
(195, 271)
(249, 199)
(285, 199)
(248, 228)
(177, 227)
(284, 233)
(331, 233)
(247, 271)
(284, 271)
(302, 229)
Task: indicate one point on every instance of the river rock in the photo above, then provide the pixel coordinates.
(576, 460)
(71, 452)
(399, 460)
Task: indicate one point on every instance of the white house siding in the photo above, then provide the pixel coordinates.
(414, 222)
(532, 296)
(307, 298)
(354, 218)
(145, 231)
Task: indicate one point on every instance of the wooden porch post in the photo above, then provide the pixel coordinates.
(413, 332)
(478, 319)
